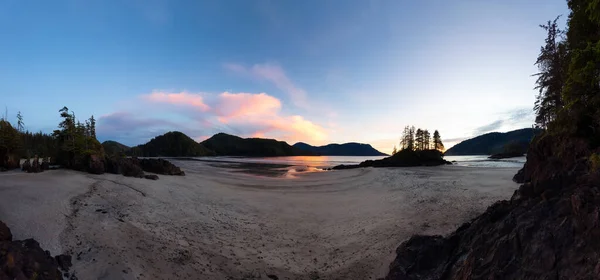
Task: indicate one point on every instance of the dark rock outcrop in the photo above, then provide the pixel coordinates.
(130, 167)
(404, 158)
(550, 229)
(64, 262)
(8, 162)
(45, 164)
(134, 167)
(506, 155)
(5, 234)
(25, 259)
(151, 177)
(112, 165)
(160, 166)
(95, 164)
(26, 165)
(32, 165)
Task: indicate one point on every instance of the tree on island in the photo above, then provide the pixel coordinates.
(420, 140)
(76, 141)
(437, 141)
(408, 138)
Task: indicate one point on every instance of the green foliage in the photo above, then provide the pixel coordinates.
(38, 143)
(10, 144)
(171, 144)
(75, 141)
(569, 78)
(552, 63)
(113, 148)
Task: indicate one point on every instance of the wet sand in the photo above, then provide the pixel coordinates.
(220, 223)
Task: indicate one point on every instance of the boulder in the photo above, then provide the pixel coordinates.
(5, 234)
(26, 165)
(151, 177)
(160, 166)
(45, 164)
(32, 165)
(95, 165)
(64, 262)
(12, 164)
(506, 155)
(35, 165)
(111, 165)
(130, 168)
(550, 229)
(25, 259)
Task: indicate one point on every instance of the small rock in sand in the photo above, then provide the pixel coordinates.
(151, 177)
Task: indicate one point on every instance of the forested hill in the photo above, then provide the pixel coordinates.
(347, 149)
(492, 143)
(171, 144)
(229, 145)
(114, 147)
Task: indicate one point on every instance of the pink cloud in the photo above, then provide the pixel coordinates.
(244, 114)
(201, 138)
(181, 98)
(274, 74)
(232, 105)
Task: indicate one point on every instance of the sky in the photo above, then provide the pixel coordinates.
(312, 71)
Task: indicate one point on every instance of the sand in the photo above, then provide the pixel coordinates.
(217, 223)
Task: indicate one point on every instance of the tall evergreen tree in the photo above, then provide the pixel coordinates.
(419, 139)
(582, 88)
(437, 141)
(426, 139)
(552, 64)
(92, 121)
(411, 138)
(20, 123)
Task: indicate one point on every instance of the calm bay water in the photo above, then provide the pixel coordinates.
(483, 161)
(330, 161)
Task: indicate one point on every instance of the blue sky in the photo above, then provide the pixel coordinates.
(312, 71)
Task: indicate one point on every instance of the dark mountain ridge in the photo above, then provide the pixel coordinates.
(346, 149)
(229, 145)
(171, 144)
(494, 142)
(114, 147)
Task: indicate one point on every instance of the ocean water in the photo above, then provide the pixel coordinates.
(320, 162)
(483, 161)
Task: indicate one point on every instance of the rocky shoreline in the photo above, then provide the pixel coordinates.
(26, 260)
(506, 155)
(129, 167)
(549, 229)
(404, 158)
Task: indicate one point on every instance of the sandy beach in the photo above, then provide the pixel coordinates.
(218, 223)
